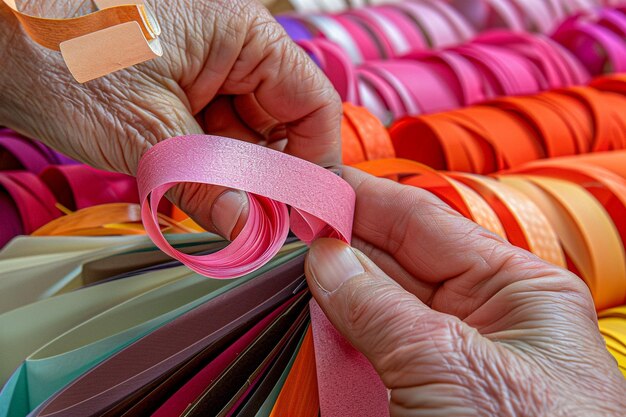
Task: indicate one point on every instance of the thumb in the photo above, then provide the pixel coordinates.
(390, 326)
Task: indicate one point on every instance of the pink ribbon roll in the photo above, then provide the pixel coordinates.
(405, 24)
(322, 204)
(431, 94)
(614, 20)
(80, 186)
(408, 100)
(459, 74)
(392, 34)
(34, 202)
(460, 25)
(19, 152)
(438, 30)
(361, 36)
(485, 14)
(506, 72)
(336, 65)
(539, 51)
(537, 13)
(337, 34)
(371, 99)
(585, 34)
(384, 90)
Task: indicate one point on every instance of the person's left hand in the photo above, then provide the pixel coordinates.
(226, 61)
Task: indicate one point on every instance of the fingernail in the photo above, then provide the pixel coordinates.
(331, 262)
(226, 212)
(335, 169)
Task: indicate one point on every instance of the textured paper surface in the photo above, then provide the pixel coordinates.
(348, 384)
(322, 204)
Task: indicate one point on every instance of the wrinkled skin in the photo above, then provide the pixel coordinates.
(229, 54)
(456, 321)
(470, 326)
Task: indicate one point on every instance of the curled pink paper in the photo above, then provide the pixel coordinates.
(322, 204)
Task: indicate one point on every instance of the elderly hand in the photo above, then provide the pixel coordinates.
(456, 321)
(228, 67)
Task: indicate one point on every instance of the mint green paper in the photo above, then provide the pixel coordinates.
(26, 329)
(14, 396)
(71, 354)
(74, 279)
(28, 278)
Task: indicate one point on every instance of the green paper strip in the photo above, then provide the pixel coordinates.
(82, 347)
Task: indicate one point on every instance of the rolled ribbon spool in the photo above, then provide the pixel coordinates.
(598, 47)
(336, 65)
(464, 31)
(335, 32)
(494, 64)
(389, 99)
(553, 131)
(407, 27)
(588, 236)
(395, 81)
(560, 209)
(506, 72)
(615, 83)
(17, 153)
(485, 14)
(537, 14)
(479, 139)
(20, 153)
(511, 141)
(430, 95)
(459, 74)
(434, 21)
(457, 195)
(363, 136)
(368, 46)
(387, 33)
(606, 187)
(121, 34)
(525, 224)
(12, 222)
(80, 186)
(34, 201)
(555, 65)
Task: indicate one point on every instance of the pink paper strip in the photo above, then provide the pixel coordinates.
(348, 384)
(322, 203)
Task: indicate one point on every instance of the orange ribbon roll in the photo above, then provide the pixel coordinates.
(107, 220)
(508, 132)
(363, 136)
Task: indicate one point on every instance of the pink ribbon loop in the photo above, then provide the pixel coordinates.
(322, 204)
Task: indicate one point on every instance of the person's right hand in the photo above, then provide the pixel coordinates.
(456, 321)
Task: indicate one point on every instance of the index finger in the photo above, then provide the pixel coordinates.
(291, 89)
